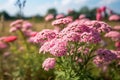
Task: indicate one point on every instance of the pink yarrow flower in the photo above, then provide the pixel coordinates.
(115, 35)
(10, 39)
(60, 16)
(106, 54)
(117, 27)
(82, 16)
(2, 45)
(72, 36)
(49, 63)
(100, 26)
(114, 17)
(47, 45)
(62, 21)
(92, 37)
(117, 52)
(44, 35)
(104, 57)
(98, 16)
(103, 8)
(26, 25)
(20, 25)
(19, 21)
(49, 17)
(59, 49)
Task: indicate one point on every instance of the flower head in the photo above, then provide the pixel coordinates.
(61, 21)
(92, 37)
(115, 35)
(44, 35)
(49, 17)
(49, 63)
(114, 18)
(98, 16)
(104, 57)
(2, 45)
(82, 16)
(10, 39)
(59, 48)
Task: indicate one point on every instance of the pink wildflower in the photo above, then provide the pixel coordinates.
(59, 16)
(116, 27)
(92, 37)
(47, 45)
(82, 16)
(117, 45)
(107, 55)
(61, 21)
(72, 36)
(20, 25)
(16, 22)
(49, 17)
(104, 57)
(57, 29)
(29, 33)
(2, 45)
(113, 34)
(49, 63)
(114, 18)
(30, 39)
(26, 25)
(44, 35)
(98, 16)
(59, 49)
(74, 28)
(117, 52)
(103, 8)
(13, 29)
(100, 26)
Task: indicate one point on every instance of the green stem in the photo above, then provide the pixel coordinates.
(24, 41)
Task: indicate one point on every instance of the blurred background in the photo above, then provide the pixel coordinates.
(40, 8)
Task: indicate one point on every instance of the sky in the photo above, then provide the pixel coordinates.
(40, 7)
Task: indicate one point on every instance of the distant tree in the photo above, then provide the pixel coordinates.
(74, 14)
(84, 10)
(92, 14)
(6, 15)
(52, 11)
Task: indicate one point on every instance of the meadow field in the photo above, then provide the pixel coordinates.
(21, 60)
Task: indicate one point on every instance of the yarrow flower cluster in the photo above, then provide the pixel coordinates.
(114, 17)
(49, 17)
(56, 47)
(82, 16)
(59, 49)
(44, 35)
(104, 57)
(20, 24)
(49, 63)
(74, 42)
(114, 35)
(117, 27)
(61, 21)
(92, 37)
